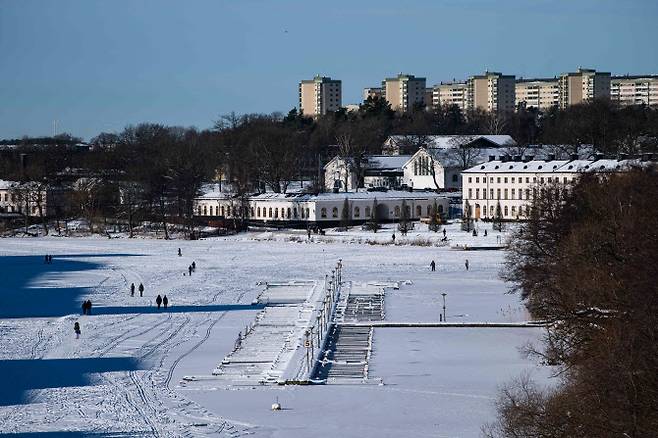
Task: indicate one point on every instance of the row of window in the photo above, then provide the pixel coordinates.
(422, 166)
(519, 179)
(290, 213)
(505, 211)
(505, 194)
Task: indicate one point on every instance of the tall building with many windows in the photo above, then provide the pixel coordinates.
(404, 92)
(582, 86)
(634, 90)
(537, 93)
(450, 93)
(319, 96)
(492, 92)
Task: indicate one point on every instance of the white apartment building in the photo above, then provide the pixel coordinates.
(537, 93)
(513, 184)
(372, 92)
(404, 92)
(450, 93)
(634, 90)
(492, 92)
(25, 198)
(319, 96)
(582, 86)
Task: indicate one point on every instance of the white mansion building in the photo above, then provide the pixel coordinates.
(513, 184)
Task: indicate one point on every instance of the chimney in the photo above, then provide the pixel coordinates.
(492, 158)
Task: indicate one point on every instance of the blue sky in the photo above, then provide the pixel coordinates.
(101, 65)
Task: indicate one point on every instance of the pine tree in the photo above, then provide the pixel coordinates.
(498, 224)
(373, 222)
(345, 221)
(404, 218)
(435, 219)
(467, 220)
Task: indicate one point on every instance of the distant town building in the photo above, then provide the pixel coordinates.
(514, 183)
(404, 92)
(450, 93)
(634, 90)
(583, 86)
(319, 96)
(372, 92)
(324, 209)
(492, 92)
(541, 94)
(417, 171)
(33, 199)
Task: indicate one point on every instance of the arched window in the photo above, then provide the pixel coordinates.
(440, 208)
(367, 211)
(415, 167)
(419, 211)
(397, 211)
(513, 211)
(323, 212)
(288, 213)
(258, 211)
(505, 214)
(294, 212)
(307, 216)
(276, 213)
(429, 210)
(252, 212)
(334, 212)
(212, 210)
(357, 212)
(270, 212)
(302, 211)
(491, 211)
(205, 210)
(199, 210)
(408, 209)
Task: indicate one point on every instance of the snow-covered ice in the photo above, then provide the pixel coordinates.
(125, 373)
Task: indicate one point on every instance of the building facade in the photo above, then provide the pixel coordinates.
(404, 92)
(492, 92)
(634, 90)
(322, 209)
(514, 184)
(450, 93)
(583, 86)
(372, 92)
(319, 96)
(541, 94)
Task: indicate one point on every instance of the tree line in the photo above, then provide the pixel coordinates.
(587, 262)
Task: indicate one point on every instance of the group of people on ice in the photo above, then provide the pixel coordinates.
(48, 259)
(140, 288)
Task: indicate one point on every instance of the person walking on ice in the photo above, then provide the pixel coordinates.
(165, 301)
(76, 329)
(132, 289)
(141, 290)
(466, 264)
(193, 265)
(433, 266)
(180, 254)
(158, 301)
(189, 269)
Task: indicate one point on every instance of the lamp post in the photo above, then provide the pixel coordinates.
(444, 306)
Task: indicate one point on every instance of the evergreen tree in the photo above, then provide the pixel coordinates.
(373, 222)
(345, 216)
(498, 224)
(435, 219)
(467, 220)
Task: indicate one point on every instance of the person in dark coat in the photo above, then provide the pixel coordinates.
(165, 301)
(466, 264)
(84, 307)
(88, 307)
(189, 269)
(76, 329)
(193, 265)
(180, 254)
(393, 238)
(485, 233)
(158, 301)
(132, 289)
(433, 266)
(444, 232)
(308, 231)
(141, 290)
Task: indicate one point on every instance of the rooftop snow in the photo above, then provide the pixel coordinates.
(541, 166)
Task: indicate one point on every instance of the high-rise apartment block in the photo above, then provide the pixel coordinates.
(582, 86)
(493, 92)
(450, 93)
(541, 94)
(319, 96)
(634, 90)
(405, 92)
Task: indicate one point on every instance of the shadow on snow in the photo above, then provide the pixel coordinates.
(74, 434)
(21, 375)
(174, 309)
